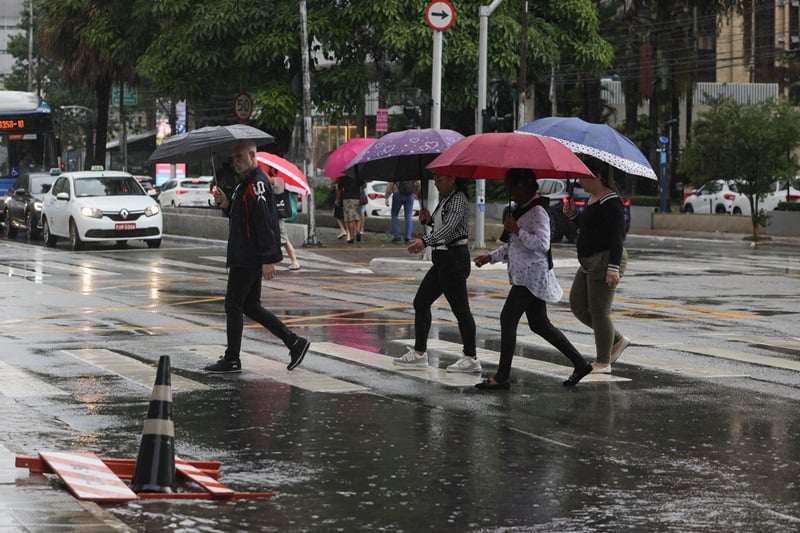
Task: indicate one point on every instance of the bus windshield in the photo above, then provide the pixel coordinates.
(27, 135)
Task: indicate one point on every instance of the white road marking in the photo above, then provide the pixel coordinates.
(299, 377)
(384, 362)
(520, 363)
(131, 369)
(15, 383)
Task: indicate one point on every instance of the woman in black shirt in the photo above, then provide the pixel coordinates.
(603, 260)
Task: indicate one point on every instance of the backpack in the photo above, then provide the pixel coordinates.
(407, 187)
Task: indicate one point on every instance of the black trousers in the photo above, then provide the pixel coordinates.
(447, 276)
(243, 297)
(520, 300)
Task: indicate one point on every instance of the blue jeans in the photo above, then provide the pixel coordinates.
(406, 201)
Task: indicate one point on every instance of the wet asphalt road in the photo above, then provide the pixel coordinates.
(698, 432)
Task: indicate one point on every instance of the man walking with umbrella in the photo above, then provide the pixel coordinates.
(253, 249)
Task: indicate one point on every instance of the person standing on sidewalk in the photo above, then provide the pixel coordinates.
(533, 282)
(253, 250)
(602, 259)
(351, 189)
(448, 275)
(286, 204)
(401, 194)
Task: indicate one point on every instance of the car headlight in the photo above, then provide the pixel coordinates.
(152, 210)
(91, 212)
(37, 206)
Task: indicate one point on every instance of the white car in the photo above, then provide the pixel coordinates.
(780, 191)
(100, 205)
(187, 192)
(376, 200)
(716, 196)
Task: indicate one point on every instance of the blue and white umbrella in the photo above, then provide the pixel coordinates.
(597, 140)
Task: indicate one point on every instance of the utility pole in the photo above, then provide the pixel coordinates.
(480, 185)
(311, 239)
(30, 46)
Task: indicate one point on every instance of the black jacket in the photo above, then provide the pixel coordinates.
(253, 231)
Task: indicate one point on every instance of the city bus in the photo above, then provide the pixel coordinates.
(28, 140)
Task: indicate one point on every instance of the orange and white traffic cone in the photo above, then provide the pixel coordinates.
(155, 464)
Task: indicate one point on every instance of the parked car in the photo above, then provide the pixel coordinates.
(187, 192)
(558, 191)
(100, 206)
(717, 196)
(148, 183)
(22, 210)
(781, 191)
(376, 200)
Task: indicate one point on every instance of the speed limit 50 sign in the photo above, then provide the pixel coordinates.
(243, 106)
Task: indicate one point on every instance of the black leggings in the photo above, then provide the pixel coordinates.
(520, 300)
(447, 276)
(243, 297)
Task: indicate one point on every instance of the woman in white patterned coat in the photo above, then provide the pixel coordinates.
(533, 282)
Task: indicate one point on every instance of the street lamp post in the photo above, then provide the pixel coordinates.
(480, 185)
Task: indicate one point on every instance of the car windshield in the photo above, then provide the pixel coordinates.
(108, 186)
(41, 184)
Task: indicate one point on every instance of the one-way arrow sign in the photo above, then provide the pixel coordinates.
(440, 15)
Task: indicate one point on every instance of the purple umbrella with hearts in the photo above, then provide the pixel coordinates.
(402, 155)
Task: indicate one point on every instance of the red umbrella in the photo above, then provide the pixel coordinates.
(490, 155)
(293, 177)
(341, 157)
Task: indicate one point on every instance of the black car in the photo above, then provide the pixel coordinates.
(559, 193)
(22, 208)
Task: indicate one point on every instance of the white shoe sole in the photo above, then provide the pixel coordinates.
(464, 371)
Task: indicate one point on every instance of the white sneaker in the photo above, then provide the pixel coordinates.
(466, 365)
(412, 360)
(618, 348)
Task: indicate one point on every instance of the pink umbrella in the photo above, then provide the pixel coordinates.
(490, 155)
(341, 157)
(293, 177)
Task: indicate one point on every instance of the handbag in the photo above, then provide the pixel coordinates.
(363, 198)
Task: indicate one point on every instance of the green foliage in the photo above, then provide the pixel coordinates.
(646, 201)
(748, 143)
(788, 206)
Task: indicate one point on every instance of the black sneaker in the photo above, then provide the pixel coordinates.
(358, 236)
(225, 366)
(297, 351)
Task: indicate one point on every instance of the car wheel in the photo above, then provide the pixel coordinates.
(737, 211)
(172, 203)
(30, 227)
(720, 210)
(10, 230)
(688, 208)
(75, 241)
(49, 239)
(154, 243)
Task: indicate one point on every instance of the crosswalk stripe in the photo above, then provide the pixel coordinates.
(520, 363)
(130, 368)
(633, 359)
(15, 383)
(299, 377)
(383, 362)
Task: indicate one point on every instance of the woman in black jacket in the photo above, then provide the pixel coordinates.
(603, 259)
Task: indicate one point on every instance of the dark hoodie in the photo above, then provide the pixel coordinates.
(253, 231)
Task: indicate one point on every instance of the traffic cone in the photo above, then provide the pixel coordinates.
(155, 464)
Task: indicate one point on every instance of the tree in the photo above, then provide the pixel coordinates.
(355, 43)
(750, 144)
(96, 44)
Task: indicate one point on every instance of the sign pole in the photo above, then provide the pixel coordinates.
(440, 16)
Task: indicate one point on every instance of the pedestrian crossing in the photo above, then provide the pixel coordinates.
(15, 383)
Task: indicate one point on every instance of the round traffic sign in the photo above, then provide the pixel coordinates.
(440, 15)
(243, 106)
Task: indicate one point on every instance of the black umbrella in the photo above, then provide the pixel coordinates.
(206, 142)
